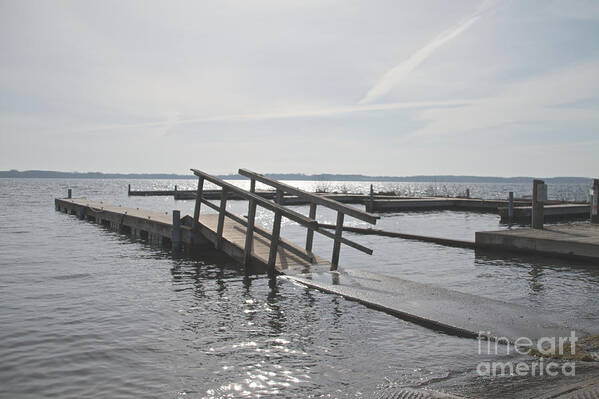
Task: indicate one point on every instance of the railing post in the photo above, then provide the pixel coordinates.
(253, 186)
(176, 233)
(337, 242)
(510, 207)
(276, 231)
(249, 233)
(539, 195)
(310, 233)
(221, 217)
(196, 212)
(595, 202)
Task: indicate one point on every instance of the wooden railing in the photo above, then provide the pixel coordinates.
(279, 211)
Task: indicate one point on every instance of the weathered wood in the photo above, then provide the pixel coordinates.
(276, 231)
(176, 234)
(510, 209)
(310, 233)
(221, 218)
(329, 203)
(337, 242)
(295, 250)
(595, 202)
(537, 206)
(249, 234)
(345, 241)
(387, 233)
(288, 213)
(157, 227)
(69, 193)
(253, 186)
(196, 212)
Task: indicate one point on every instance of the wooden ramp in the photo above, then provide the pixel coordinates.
(156, 227)
(235, 235)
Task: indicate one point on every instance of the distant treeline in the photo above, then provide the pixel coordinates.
(291, 176)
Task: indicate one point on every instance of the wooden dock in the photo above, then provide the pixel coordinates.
(157, 229)
(261, 250)
(552, 213)
(232, 234)
(555, 211)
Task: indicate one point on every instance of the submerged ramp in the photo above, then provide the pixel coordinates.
(438, 308)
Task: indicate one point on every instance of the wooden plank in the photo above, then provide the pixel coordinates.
(290, 258)
(310, 233)
(196, 212)
(221, 218)
(276, 230)
(345, 241)
(288, 213)
(337, 242)
(249, 235)
(329, 203)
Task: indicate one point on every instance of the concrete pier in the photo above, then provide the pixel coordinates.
(573, 241)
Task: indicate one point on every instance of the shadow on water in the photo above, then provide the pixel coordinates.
(500, 258)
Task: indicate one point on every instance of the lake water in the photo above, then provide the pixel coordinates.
(86, 312)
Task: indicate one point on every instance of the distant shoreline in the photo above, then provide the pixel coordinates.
(41, 174)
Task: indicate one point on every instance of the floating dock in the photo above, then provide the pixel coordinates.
(157, 229)
(574, 241)
(555, 211)
(552, 213)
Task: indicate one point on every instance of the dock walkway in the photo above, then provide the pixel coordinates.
(157, 227)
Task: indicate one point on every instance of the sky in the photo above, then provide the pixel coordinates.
(493, 88)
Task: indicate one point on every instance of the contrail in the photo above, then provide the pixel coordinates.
(402, 70)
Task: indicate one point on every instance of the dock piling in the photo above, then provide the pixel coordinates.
(196, 212)
(539, 196)
(510, 209)
(310, 232)
(69, 193)
(371, 199)
(249, 233)
(176, 232)
(221, 218)
(337, 240)
(129, 189)
(595, 202)
(276, 232)
(467, 193)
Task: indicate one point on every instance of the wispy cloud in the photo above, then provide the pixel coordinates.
(320, 112)
(399, 72)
